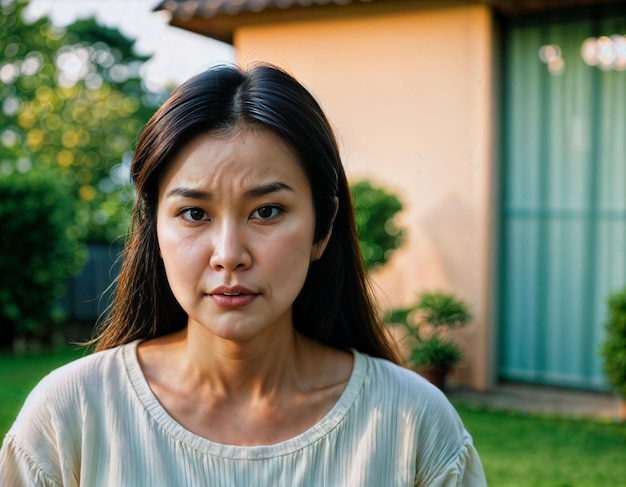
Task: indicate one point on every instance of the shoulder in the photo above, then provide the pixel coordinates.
(74, 383)
(422, 417)
(51, 419)
(384, 377)
(80, 376)
(422, 407)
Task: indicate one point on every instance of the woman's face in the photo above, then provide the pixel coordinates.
(235, 225)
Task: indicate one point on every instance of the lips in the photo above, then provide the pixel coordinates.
(232, 296)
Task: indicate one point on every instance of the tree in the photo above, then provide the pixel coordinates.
(375, 209)
(73, 103)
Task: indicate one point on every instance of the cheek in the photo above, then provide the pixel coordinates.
(178, 257)
(167, 243)
(289, 256)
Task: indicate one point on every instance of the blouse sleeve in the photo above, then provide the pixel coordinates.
(446, 453)
(18, 469)
(33, 452)
(465, 471)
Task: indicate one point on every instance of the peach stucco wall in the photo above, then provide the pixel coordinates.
(410, 96)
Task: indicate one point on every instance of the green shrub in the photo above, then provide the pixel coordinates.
(436, 352)
(429, 323)
(37, 254)
(441, 309)
(375, 210)
(613, 349)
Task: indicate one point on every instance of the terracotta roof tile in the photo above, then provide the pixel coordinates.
(210, 8)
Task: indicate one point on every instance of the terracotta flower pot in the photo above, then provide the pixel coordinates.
(434, 375)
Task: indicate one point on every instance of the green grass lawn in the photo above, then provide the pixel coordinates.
(524, 450)
(516, 449)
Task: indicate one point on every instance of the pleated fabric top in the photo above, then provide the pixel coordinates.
(96, 422)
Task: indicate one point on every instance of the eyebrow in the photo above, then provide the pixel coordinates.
(265, 189)
(253, 193)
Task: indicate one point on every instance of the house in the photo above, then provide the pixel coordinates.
(500, 124)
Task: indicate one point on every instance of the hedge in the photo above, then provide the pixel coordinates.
(37, 254)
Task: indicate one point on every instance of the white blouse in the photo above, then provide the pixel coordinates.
(96, 422)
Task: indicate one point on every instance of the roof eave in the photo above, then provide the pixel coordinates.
(222, 26)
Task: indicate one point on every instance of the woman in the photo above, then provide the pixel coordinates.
(242, 347)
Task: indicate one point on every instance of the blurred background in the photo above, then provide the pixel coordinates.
(497, 125)
(78, 80)
(174, 54)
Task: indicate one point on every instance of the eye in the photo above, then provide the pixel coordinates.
(193, 214)
(267, 212)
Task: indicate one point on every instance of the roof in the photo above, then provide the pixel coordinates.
(220, 18)
(186, 9)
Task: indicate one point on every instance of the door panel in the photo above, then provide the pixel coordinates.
(564, 201)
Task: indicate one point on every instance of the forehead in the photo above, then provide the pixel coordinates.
(239, 155)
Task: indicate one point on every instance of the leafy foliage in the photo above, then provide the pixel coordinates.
(378, 232)
(436, 352)
(613, 349)
(443, 310)
(37, 254)
(428, 323)
(73, 104)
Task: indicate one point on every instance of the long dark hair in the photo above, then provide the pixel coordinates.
(335, 305)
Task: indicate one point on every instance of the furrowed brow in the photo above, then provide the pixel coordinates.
(193, 194)
(266, 189)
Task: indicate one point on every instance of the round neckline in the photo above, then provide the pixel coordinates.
(174, 429)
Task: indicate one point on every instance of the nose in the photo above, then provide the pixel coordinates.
(229, 250)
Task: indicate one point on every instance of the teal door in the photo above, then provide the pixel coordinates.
(564, 196)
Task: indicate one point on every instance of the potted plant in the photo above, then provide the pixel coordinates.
(429, 323)
(613, 348)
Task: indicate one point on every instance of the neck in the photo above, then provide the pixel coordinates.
(256, 367)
